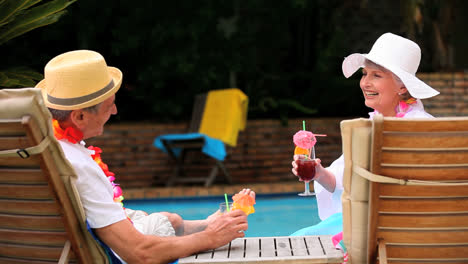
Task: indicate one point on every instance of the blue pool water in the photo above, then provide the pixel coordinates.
(275, 215)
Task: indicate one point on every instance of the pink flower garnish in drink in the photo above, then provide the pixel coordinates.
(304, 139)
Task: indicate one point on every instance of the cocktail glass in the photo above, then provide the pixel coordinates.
(224, 209)
(306, 172)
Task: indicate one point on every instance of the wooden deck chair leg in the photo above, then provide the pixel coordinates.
(212, 176)
(65, 256)
(382, 251)
(179, 163)
(225, 171)
(214, 172)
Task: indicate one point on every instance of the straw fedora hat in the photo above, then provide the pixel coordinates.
(78, 79)
(397, 54)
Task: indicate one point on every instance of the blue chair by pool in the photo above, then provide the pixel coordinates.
(217, 118)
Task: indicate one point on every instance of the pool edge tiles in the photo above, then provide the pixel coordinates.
(215, 190)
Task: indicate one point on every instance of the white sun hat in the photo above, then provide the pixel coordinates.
(397, 54)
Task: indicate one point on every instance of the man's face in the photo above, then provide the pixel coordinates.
(96, 120)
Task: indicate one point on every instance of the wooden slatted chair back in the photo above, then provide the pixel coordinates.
(41, 217)
(426, 220)
(35, 214)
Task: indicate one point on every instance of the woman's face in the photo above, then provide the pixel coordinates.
(380, 90)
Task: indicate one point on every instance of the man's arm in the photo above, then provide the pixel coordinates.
(134, 247)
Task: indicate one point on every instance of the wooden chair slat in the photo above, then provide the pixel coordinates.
(32, 237)
(398, 261)
(426, 252)
(22, 176)
(421, 221)
(448, 140)
(428, 174)
(31, 162)
(11, 127)
(427, 125)
(33, 252)
(423, 205)
(31, 207)
(428, 236)
(395, 190)
(5, 260)
(431, 158)
(31, 222)
(13, 191)
(14, 142)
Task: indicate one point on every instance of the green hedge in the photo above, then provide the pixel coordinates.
(285, 55)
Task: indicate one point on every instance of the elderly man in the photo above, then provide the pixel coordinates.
(79, 89)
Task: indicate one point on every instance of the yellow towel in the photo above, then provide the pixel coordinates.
(224, 115)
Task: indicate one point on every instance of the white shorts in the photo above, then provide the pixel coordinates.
(154, 224)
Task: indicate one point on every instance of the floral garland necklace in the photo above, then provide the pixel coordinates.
(404, 107)
(74, 136)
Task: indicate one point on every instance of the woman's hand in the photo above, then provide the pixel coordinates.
(318, 167)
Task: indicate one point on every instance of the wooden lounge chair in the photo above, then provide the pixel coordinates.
(406, 190)
(41, 217)
(179, 145)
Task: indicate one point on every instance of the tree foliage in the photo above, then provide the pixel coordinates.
(18, 17)
(285, 55)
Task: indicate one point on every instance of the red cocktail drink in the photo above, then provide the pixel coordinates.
(306, 169)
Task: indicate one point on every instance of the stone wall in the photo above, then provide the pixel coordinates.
(453, 97)
(264, 149)
(263, 153)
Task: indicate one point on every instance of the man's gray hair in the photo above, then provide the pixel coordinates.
(63, 115)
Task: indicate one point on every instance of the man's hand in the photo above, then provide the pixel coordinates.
(226, 227)
(214, 215)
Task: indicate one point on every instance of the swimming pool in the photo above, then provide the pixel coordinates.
(275, 215)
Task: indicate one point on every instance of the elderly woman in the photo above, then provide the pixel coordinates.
(390, 88)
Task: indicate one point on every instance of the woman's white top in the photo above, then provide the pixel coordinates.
(330, 203)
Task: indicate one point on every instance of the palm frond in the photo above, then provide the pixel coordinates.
(33, 18)
(19, 77)
(11, 8)
(20, 29)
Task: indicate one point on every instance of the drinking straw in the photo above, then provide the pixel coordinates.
(303, 128)
(227, 204)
